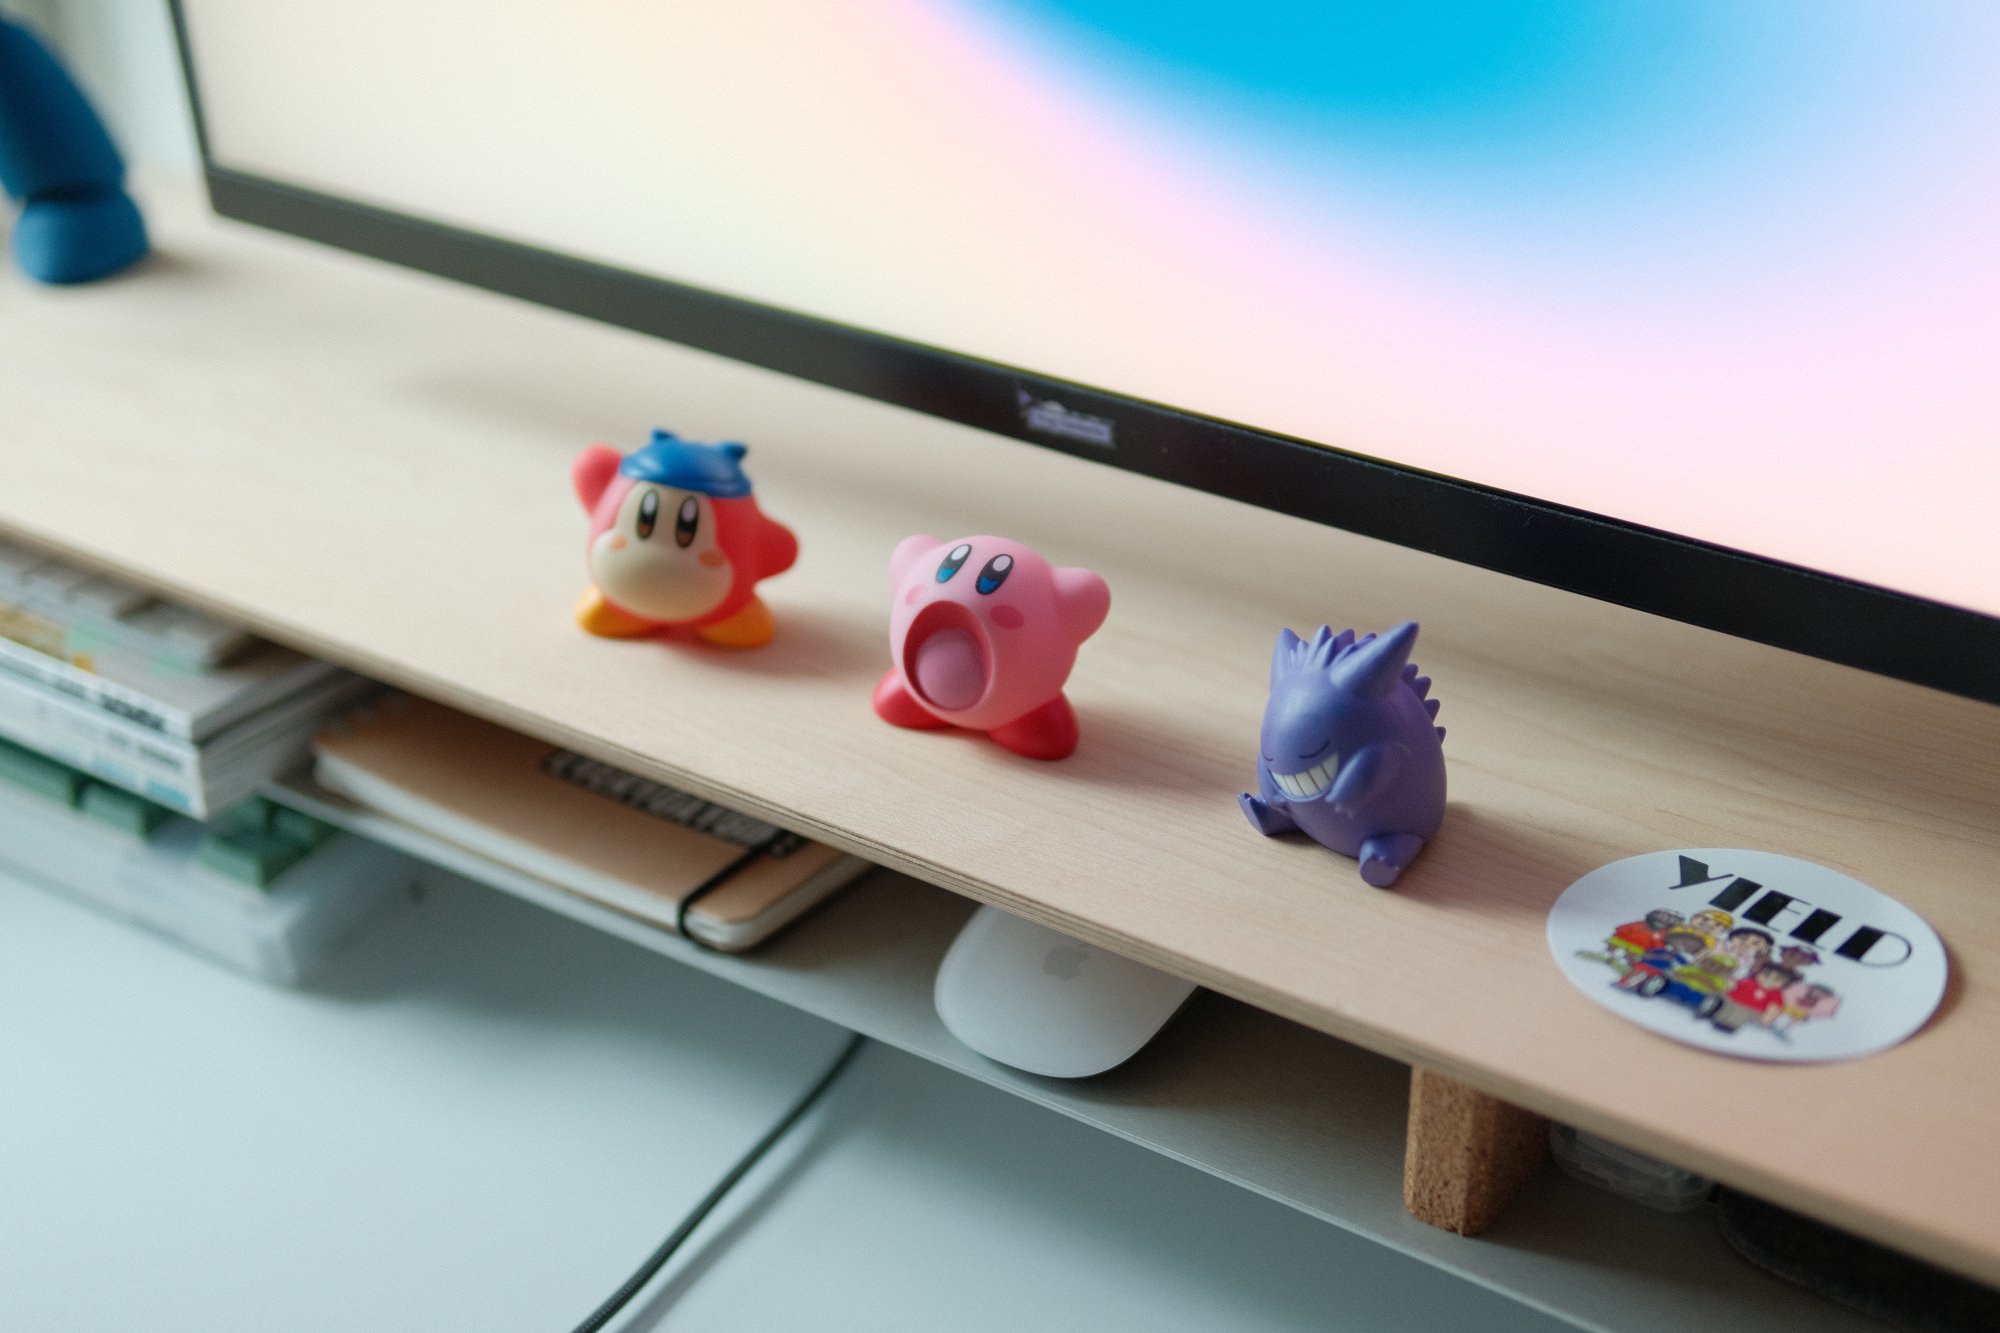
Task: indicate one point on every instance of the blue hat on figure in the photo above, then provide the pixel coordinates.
(707, 469)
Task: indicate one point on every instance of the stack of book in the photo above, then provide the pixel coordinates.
(267, 890)
(185, 710)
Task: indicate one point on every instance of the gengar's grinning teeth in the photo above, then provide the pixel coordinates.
(1309, 783)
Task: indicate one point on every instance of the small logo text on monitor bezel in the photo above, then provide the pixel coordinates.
(1047, 416)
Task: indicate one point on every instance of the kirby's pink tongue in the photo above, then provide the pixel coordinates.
(949, 671)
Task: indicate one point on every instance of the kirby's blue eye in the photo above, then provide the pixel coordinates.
(996, 572)
(649, 513)
(953, 560)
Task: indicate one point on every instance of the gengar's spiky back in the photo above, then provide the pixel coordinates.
(1331, 655)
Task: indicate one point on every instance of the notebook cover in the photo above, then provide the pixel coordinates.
(500, 794)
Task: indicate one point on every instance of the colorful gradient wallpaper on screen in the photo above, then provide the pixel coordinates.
(1729, 268)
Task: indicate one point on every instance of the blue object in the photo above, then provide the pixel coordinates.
(1351, 756)
(706, 469)
(77, 223)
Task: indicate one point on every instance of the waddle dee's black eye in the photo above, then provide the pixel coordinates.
(996, 572)
(953, 559)
(687, 521)
(649, 513)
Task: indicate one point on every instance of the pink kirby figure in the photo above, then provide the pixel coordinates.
(983, 633)
(677, 542)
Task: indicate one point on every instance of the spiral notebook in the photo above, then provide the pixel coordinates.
(665, 856)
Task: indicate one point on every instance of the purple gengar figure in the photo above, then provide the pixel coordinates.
(1351, 756)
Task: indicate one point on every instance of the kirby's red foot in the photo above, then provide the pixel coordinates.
(1050, 732)
(895, 705)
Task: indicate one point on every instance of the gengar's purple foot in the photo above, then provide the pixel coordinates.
(1383, 857)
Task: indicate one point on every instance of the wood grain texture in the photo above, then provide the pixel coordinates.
(1466, 1155)
(371, 465)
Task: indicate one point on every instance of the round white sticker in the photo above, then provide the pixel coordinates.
(1752, 954)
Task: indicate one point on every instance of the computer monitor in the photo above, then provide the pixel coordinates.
(1692, 305)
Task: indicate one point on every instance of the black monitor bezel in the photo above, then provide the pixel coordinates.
(1749, 596)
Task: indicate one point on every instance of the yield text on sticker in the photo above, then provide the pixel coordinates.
(1794, 917)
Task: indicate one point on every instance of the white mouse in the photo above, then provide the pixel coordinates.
(1038, 1000)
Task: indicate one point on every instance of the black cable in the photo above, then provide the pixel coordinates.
(643, 1274)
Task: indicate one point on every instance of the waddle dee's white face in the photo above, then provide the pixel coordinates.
(659, 558)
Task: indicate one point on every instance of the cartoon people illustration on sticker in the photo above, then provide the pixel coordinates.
(1750, 947)
(1803, 1000)
(1711, 920)
(1749, 954)
(1728, 975)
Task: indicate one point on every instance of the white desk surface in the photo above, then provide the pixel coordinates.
(481, 1115)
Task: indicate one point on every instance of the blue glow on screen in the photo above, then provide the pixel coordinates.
(1421, 67)
(1538, 114)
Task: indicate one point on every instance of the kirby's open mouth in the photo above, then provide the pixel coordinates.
(945, 657)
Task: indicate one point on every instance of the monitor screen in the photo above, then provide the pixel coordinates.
(1718, 271)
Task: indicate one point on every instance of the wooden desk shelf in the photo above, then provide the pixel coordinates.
(370, 465)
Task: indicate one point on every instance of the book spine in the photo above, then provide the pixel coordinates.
(160, 768)
(94, 691)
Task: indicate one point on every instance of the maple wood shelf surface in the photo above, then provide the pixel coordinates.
(372, 465)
